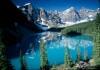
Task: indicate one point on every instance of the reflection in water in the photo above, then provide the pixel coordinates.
(55, 44)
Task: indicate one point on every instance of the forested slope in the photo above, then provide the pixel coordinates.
(83, 28)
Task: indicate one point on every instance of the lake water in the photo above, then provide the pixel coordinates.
(55, 45)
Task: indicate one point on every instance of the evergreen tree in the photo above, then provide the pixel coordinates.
(55, 66)
(4, 62)
(78, 55)
(23, 62)
(67, 61)
(96, 39)
(44, 61)
(85, 55)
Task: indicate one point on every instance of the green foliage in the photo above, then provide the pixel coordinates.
(44, 61)
(96, 40)
(4, 62)
(78, 55)
(83, 28)
(23, 62)
(67, 61)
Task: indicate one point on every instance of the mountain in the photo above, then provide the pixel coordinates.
(87, 14)
(70, 15)
(50, 19)
(43, 19)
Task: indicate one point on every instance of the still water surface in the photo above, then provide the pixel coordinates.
(55, 45)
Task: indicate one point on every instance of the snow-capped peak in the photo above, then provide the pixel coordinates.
(56, 12)
(83, 9)
(18, 6)
(27, 4)
(70, 9)
(98, 8)
(42, 10)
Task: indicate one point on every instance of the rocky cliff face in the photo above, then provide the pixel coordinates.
(40, 16)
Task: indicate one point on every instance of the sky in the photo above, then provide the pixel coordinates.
(60, 5)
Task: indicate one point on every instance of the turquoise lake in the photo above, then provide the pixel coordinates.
(55, 45)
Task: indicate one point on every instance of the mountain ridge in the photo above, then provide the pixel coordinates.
(65, 18)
